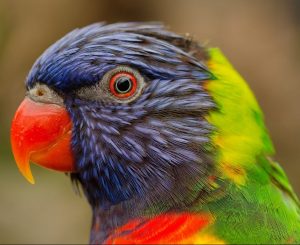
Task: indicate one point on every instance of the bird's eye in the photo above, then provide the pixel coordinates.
(123, 84)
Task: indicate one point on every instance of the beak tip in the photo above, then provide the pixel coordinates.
(30, 180)
(28, 175)
(25, 170)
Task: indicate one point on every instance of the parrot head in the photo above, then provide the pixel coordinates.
(122, 107)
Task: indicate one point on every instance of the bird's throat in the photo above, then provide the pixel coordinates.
(110, 223)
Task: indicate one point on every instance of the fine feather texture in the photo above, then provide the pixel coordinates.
(191, 150)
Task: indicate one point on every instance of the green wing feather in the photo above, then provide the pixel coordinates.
(258, 205)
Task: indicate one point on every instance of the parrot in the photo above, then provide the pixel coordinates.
(161, 133)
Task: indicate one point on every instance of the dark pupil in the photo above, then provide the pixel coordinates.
(123, 85)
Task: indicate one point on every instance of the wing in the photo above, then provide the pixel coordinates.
(259, 205)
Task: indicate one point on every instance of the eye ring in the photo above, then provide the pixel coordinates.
(106, 91)
(123, 84)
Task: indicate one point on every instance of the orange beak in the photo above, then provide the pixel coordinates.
(41, 133)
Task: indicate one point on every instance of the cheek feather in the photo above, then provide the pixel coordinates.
(130, 151)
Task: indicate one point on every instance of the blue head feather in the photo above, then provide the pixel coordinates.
(154, 149)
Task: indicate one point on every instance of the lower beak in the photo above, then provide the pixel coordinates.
(41, 133)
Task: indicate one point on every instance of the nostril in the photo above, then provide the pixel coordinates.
(40, 92)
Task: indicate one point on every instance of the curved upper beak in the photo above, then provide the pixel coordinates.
(41, 133)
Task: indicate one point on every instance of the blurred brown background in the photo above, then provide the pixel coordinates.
(261, 38)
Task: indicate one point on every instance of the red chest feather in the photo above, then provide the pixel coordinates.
(162, 229)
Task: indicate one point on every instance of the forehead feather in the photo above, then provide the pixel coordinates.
(84, 55)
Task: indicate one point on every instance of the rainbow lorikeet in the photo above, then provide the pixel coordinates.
(165, 137)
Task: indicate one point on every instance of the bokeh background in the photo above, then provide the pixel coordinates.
(261, 38)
